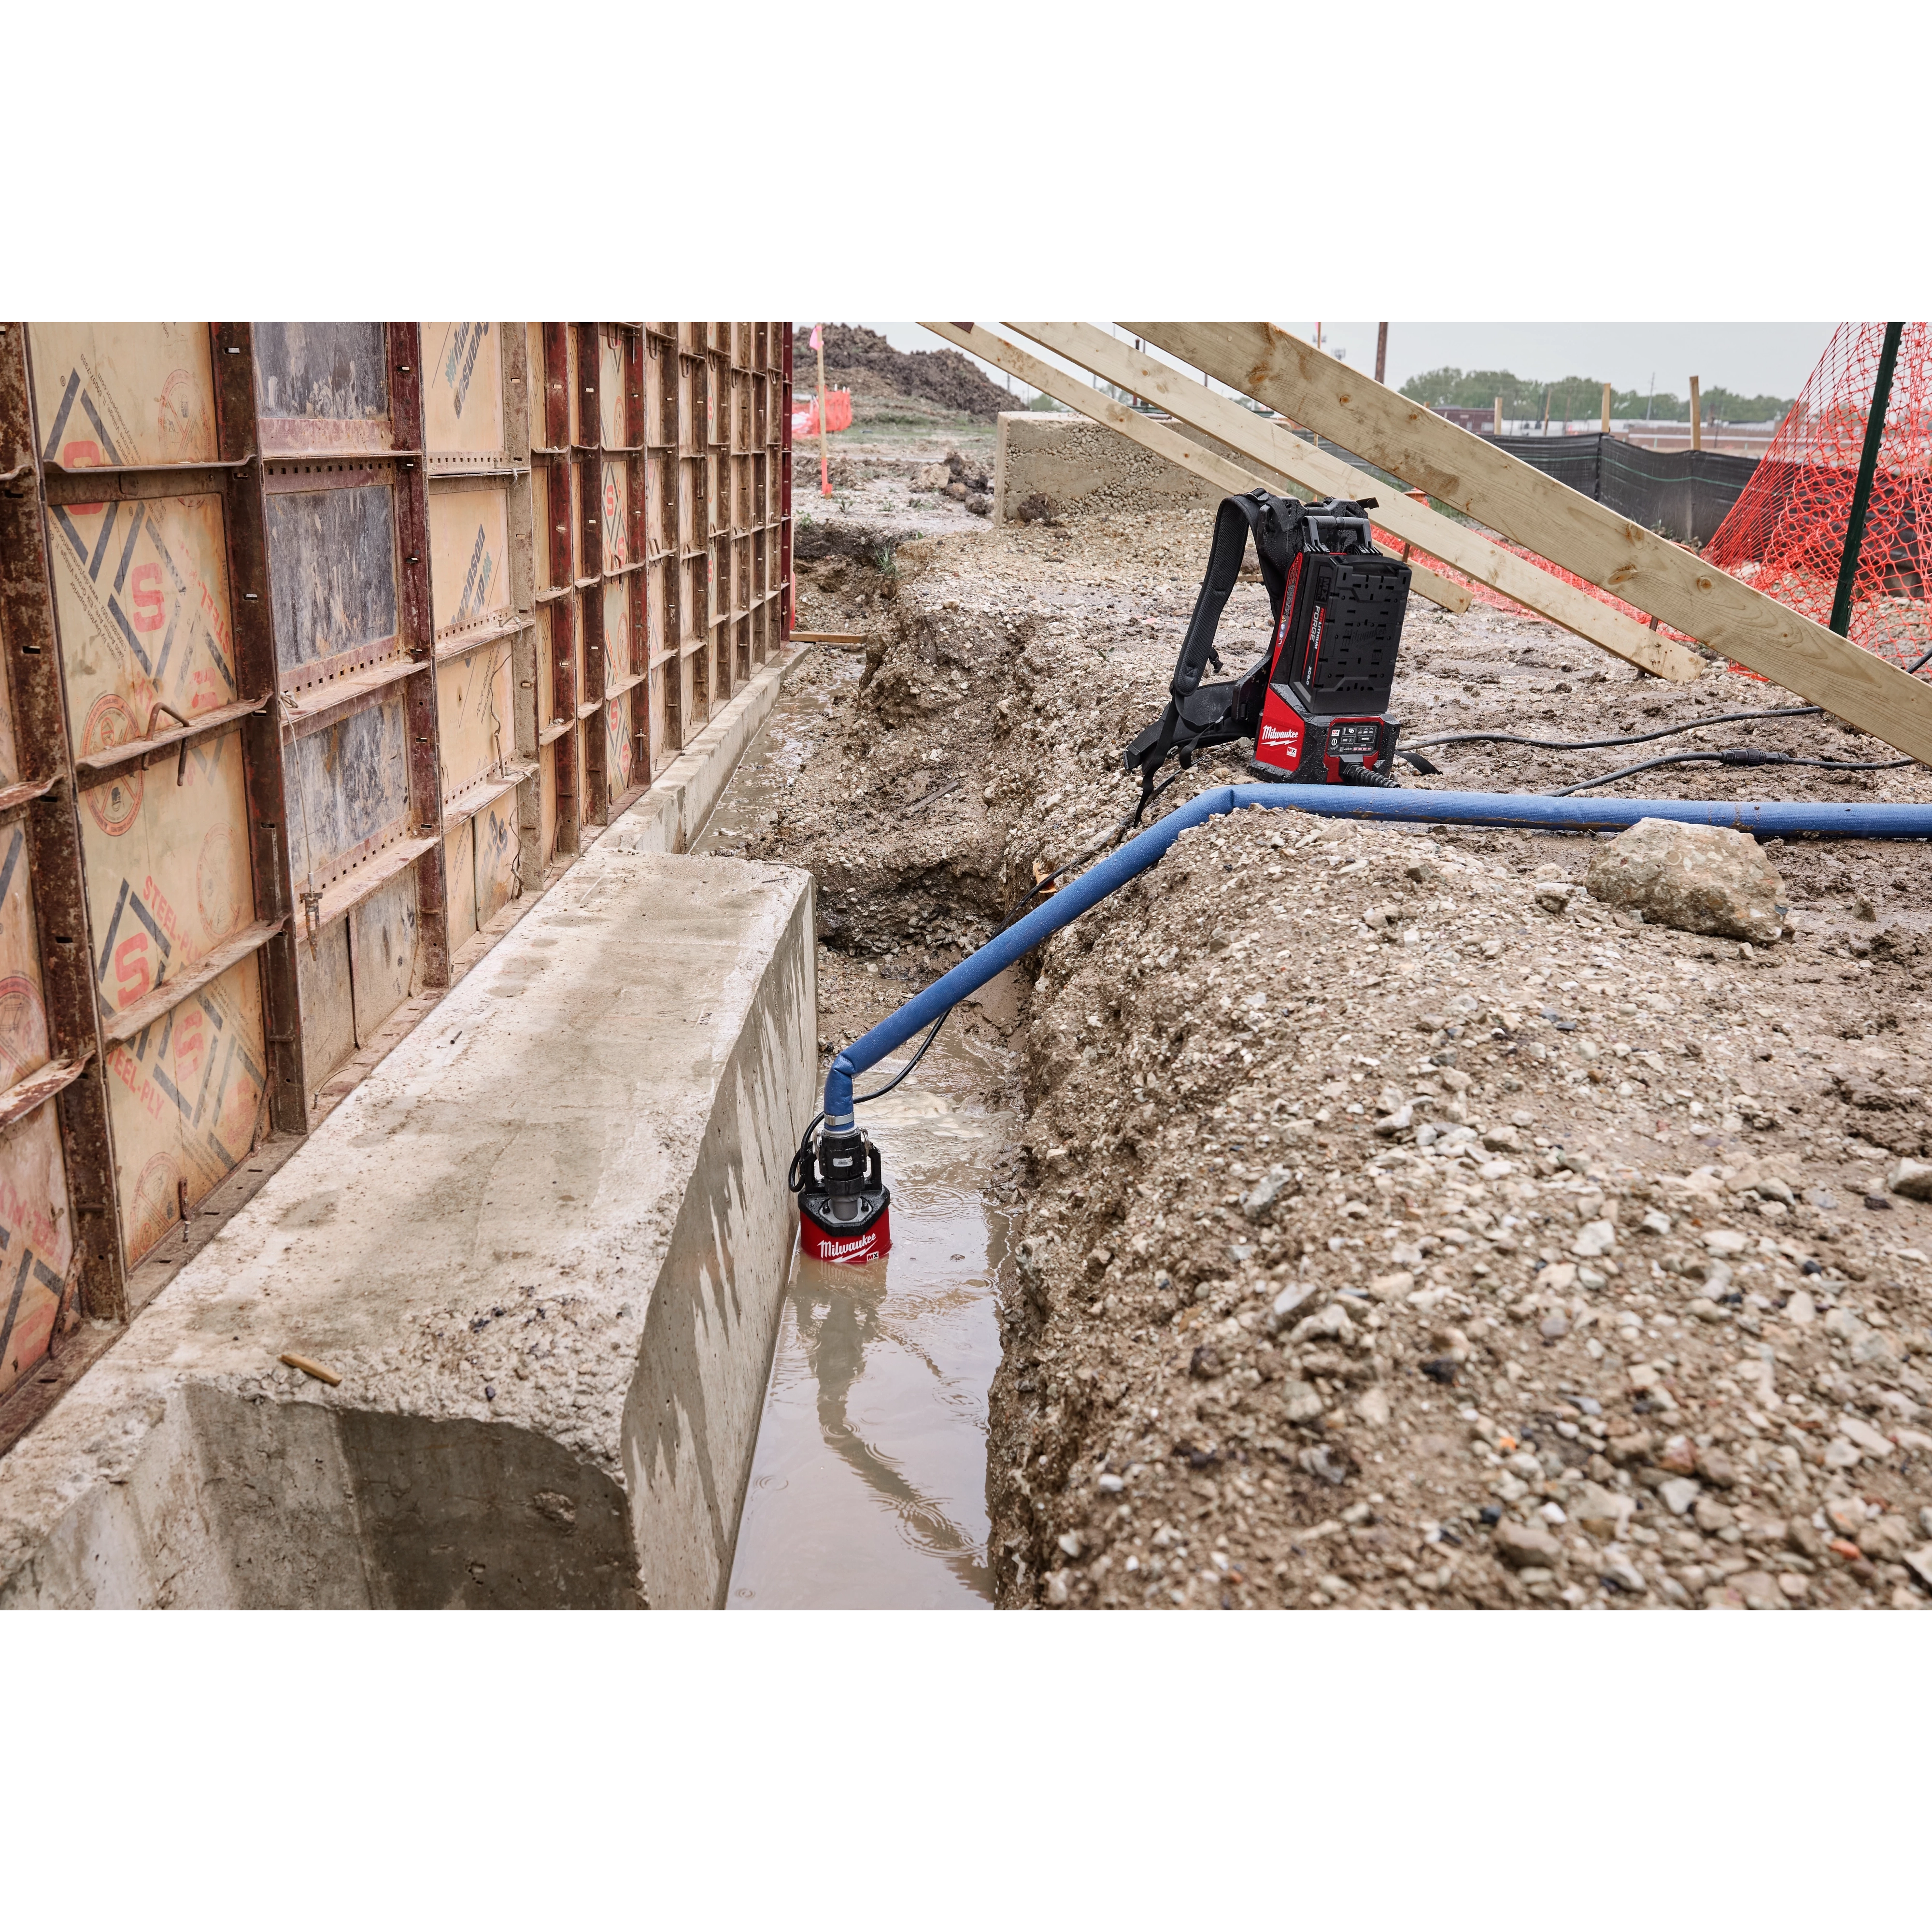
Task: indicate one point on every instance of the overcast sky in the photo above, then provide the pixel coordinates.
(1751, 358)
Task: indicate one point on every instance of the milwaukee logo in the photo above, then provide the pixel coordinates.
(838, 1250)
(1273, 734)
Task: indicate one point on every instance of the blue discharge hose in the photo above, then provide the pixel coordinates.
(1771, 819)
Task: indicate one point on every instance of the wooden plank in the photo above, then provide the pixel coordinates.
(139, 1014)
(1212, 469)
(1269, 442)
(1486, 483)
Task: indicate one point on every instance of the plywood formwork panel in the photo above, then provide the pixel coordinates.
(473, 712)
(36, 1241)
(332, 567)
(619, 745)
(614, 510)
(123, 395)
(469, 555)
(619, 653)
(24, 1037)
(351, 785)
(322, 386)
(459, 868)
(498, 878)
(328, 999)
(611, 396)
(463, 396)
(168, 879)
(141, 588)
(383, 953)
(187, 1096)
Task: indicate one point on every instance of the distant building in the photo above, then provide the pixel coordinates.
(1475, 419)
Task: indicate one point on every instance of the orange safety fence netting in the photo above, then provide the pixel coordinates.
(1785, 536)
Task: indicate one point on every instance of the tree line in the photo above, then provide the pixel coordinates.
(1578, 398)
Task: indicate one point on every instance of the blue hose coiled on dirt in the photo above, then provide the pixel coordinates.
(1769, 819)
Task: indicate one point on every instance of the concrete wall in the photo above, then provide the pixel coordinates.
(543, 1246)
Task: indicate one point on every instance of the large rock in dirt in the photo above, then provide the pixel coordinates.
(1697, 878)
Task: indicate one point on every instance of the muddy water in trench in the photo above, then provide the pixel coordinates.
(869, 1486)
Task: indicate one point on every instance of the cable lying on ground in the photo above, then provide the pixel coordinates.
(1741, 754)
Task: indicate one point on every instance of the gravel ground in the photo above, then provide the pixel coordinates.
(1614, 1322)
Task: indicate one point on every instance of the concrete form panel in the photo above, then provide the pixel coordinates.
(167, 868)
(474, 717)
(497, 856)
(351, 787)
(620, 749)
(23, 1013)
(36, 1241)
(123, 395)
(332, 564)
(187, 1099)
(322, 386)
(469, 559)
(459, 868)
(381, 439)
(463, 394)
(382, 952)
(141, 589)
(328, 999)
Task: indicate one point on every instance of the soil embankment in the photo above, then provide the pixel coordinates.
(1627, 1315)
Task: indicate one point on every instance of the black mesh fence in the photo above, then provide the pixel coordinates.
(1683, 493)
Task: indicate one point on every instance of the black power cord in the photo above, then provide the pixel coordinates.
(1746, 754)
(796, 1179)
(1605, 744)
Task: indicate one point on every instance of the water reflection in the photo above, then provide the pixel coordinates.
(868, 1485)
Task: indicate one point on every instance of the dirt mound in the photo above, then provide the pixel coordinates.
(942, 376)
(1373, 1259)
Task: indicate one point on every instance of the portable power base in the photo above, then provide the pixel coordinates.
(1331, 668)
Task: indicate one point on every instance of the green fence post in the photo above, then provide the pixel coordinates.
(1855, 529)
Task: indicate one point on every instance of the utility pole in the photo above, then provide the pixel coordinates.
(824, 456)
(1607, 410)
(1855, 525)
(1696, 417)
(1382, 351)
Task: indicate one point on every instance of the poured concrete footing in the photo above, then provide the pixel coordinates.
(543, 1246)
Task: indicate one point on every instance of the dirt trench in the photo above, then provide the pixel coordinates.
(1629, 1317)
